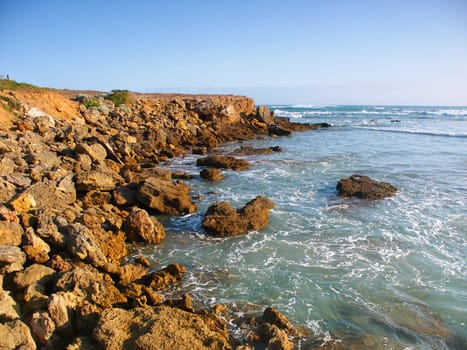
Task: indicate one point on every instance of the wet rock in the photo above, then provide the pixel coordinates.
(167, 197)
(10, 233)
(273, 337)
(167, 276)
(16, 335)
(364, 187)
(95, 180)
(273, 316)
(224, 162)
(161, 327)
(264, 115)
(211, 174)
(139, 226)
(35, 247)
(250, 151)
(221, 220)
(277, 130)
(36, 273)
(11, 259)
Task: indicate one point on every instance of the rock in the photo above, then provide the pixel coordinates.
(42, 326)
(23, 203)
(48, 230)
(277, 130)
(273, 316)
(11, 259)
(273, 337)
(211, 174)
(9, 308)
(48, 158)
(36, 273)
(139, 226)
(7, 166)
(264, 115)
(96, 199)
(167, 197)
(160, 327)
(95, 180)
(16, 335)
(82, 244)
(250, 151)
(10, 233)
(167, 276)
(364, 187)
(125, 195)
(60, 307)
(221, 220)
(35, 247)
(224, 162)
(96, 151)
(35, 298)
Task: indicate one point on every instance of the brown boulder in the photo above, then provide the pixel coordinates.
(211, 174)
(36, 273)
(364, 187)
(10, 233)
(139, 226)
(221, 220)
(160, 327)
(264, 115)
(42, 326)
(35, 247)
(11, 259)
(167, 276)
(95, 180)
(223, 162)
(167, 197)
(16, 335)
(250, 151)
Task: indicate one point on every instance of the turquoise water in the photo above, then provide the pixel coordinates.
(392, 271)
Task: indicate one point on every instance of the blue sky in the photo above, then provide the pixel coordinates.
(320, 52)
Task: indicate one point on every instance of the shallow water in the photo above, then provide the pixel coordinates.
(394, 269)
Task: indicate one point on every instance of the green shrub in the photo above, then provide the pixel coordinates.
(14, 85)
(9, 104)
(119, 97)
(94, 102)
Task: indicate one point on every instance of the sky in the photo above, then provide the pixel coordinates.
(410, 52)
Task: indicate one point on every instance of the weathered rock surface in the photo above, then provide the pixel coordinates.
(221, 220)
(161, 327)
(16, 335)
(211, 174)
(250, 151)
(139, 226)
(11, 259)
(167, 276)
(36, 273)
(264, 115)
(223, 162)
(95, 180)
(364, 187)
(167, 197)
(10, 233)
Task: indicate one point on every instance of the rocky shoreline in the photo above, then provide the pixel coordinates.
(80, 182)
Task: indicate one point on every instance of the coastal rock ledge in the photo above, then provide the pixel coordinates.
(363, 187)
(221, 220)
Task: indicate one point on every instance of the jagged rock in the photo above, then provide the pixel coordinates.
(125, 195)
(23, 203)
(129, 273)
(95, 180)
(96, 199)
(60, 307)
(160, 327)
(167, 197)
(224, 162)
(264, 115)
(139, 226)
(96, 151)
(42, 326)
(273, 337)
(81, 242)
(364, 187)
(11, 259)
(9, 308)
(36, 273)
(48, 158)
(10, 233)
(277, 130)
(221, 220)
(7, 166)
(48, 230)
(16, 335)
(35, 247)
(273, 316)
(35, 298)
(167, 276)
(211, 174)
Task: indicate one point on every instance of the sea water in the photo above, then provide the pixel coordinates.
(390, 274)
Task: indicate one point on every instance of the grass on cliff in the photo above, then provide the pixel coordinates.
(14, 85)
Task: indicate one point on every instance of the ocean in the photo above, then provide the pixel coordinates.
(388, 274)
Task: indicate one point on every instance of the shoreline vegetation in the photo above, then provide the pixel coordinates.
(80, 183)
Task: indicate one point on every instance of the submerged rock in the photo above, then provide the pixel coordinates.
(221, 220)
(211, 174)
(364, 187)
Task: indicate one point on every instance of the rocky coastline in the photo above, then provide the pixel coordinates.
(80, 182)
